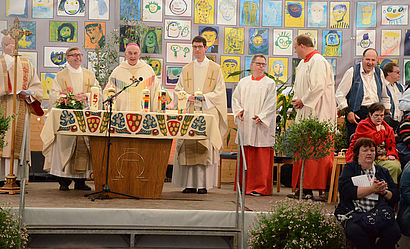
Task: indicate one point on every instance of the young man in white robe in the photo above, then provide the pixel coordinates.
(196, 162)
(128, 71)
(314, 95)
(68, 157)
(254, 108)
(27, 79)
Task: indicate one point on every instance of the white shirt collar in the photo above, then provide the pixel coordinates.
(205, 62)
(73, 70)
(362, 70)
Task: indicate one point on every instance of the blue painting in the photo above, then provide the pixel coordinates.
(332, 43)
(272, 13)
(42, 8)
(258, 41)
(366, 14)
(317, 14)
(28, 42)
(130, 10)
(249, 12)
(248, 60)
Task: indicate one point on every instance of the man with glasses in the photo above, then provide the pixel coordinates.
(254, 107)
(196, 162)
(314, 95)
(395, 90)
(67, 157)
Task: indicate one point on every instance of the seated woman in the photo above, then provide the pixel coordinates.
(376, 128)
(380, 191)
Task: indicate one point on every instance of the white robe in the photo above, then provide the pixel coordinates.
(256, 98)
(315, 86)
(203, 176)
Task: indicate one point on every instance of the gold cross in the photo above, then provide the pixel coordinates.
(88, 85)
(187, 79)
(16, 32)
(133, 79)
(211, 78)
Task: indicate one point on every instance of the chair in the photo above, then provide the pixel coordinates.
(338, 163)
(228, 156)
(279, 161)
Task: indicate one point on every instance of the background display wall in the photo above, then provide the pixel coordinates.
(235, 29)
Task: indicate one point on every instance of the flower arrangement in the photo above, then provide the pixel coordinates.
(296, 224)
(12, 233)
(69, 100)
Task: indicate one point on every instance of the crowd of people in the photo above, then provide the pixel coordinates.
(374, 102)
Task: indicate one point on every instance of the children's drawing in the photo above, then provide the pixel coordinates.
(332, 62)
(317, 14)
(54, 56)
(248, 60)
(156, 64)
(332, 43)
(226, 12)
(99, 9)
(43, 9)
(407, 42)
(94, 34)
(295, 63)
(63, 31)
(383, 61)
(390, 42)
(46, 82)
(395, 14)
(250, 12)
(365, 39)
(258, 41)
(312, 33)
(406, 70)
(28, 42)
(179, 52)
(272, 13)
(294, 14)
(366, 14)
(278, 68)
(152, 10)
(130, 10)
(178, 7)
(211, 36)
(178, 29)
(282, 42)
(339, 15)
(230, 64)
(152, 42)
(71, 8)
(234, 40)
(16, 8)
(204, 11)
(173, 73)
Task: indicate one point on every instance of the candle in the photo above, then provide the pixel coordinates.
(181, 101)
(145, 100)
(198, 101)
(162, 100)
(94, 98)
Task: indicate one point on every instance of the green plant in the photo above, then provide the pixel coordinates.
(13, 234)
(4, 125)
(296, 224)
(68, 100)
(307, 139)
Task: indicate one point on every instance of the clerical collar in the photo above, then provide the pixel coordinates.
(202, 63)
(134, 65)
(310, 55)
(73, 70)
(259, 78)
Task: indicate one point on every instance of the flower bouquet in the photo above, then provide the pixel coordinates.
(69, 100)
(13, 234)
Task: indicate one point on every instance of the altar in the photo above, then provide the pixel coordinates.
(141, 143)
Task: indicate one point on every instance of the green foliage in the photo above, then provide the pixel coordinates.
(12, 234)
(296, 224)
(307, 139)
(341, 137)
(4, 125)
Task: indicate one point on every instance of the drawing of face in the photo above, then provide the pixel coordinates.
(257, 41)
(71, 7)
(58, 58)
(210, 38)
(203, 9)
(278, 68)
(227, 9)
(156, 66)
(283, 41)
(173, 29)
(295, 9)
(390, 40)
(339, 12)
(178, 7)
(316, 11)
(365, 42)
(229, 66)
(234, 40)
(150, 39)
(153, 7)
(94, 33)
(394, 13)
(367, 12)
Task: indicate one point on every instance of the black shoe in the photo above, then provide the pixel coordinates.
(82, 187)
(64, 188)
(189, 191)
(2, 183)
(254, 193)
(202, 191)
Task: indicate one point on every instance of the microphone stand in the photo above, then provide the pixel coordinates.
(103, 194)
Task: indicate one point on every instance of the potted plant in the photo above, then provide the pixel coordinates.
(307, 139)
(13, 234)
(296, 224)
(4, 125)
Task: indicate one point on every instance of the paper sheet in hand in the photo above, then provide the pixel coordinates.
(364, 181)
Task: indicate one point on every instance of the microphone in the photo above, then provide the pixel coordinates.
(140, 79)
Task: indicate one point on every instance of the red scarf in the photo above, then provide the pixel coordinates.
(259, 78)
(310, 55)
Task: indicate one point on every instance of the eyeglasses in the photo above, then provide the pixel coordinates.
(75, 55)
(197, 47)
(260, 64)
(398, 72)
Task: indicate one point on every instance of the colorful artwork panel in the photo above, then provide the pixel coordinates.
(173, 73)
(16, 8)
(278, 68)
(381, 62)
(365, 39)
(390, 42)
(43, 9)
(226, 12)
(178, 29)
(234, 40)
(332, 62)
(63, 31)
(152, 10)
(99, 9)
(46, 82)
(366, 14)
(179, 52)
(211, 34)
(272, 13)
(54, 56)
(249, 13)
(71, 8)
(332, 43)
(312, 33)
(248, 61)
(294, 14)
(94, 35)
(295, 63)
(211, 57)
(130, 10)
(156, 64)
(230, 64)
(204, 11)
(282, 42)
(258, 41)
(339, 15)
(28, 42)
(407, 42)
(127, 36)
(317, 14)
(178, 7)
(406, 70)
(395, 14)
(152, 42)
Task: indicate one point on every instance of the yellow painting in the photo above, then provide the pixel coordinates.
(230, 64)
(234, 41)
(295, 14)
(339, 15)
(204, 11)
(278, 68)
(46, 82)
(312, 33)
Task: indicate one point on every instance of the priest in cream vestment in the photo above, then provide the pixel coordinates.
(196, 161)
(27, 79)
(314, 95)
(68, 157)
(124, 74)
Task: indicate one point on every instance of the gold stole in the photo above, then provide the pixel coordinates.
(64, 79)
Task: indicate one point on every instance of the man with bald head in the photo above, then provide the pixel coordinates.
(361, 85)
(124, 74)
